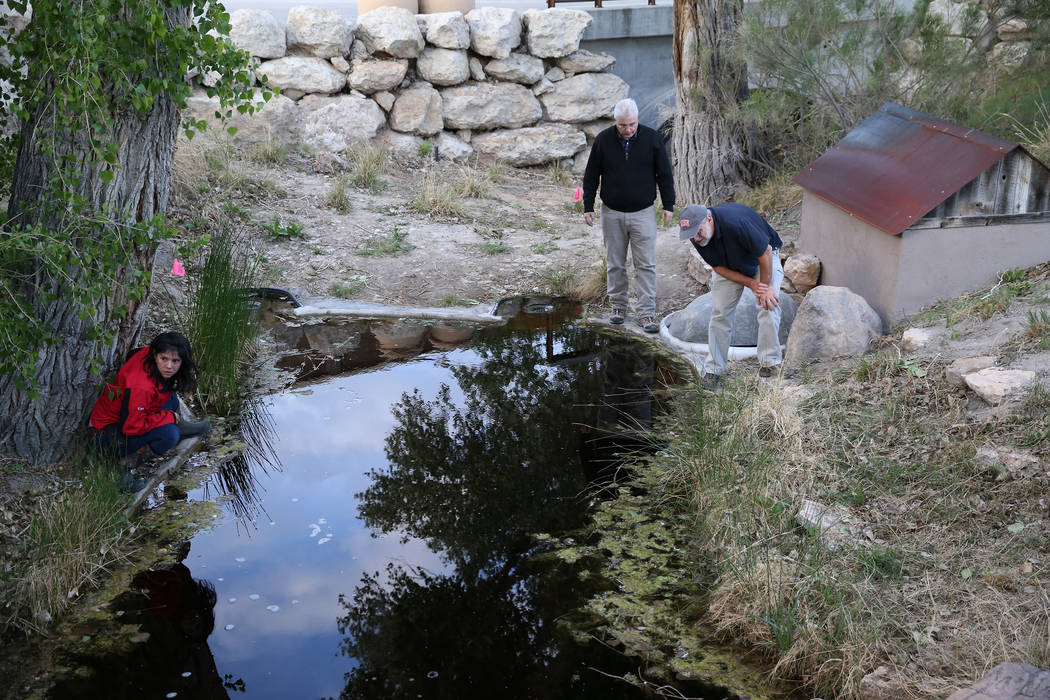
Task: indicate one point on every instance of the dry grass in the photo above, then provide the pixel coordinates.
(472, 183)
(368, 164)
(935, 582)
(777, 194)
(71, 543)
(438, 197)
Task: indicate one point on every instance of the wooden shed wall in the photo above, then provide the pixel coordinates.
(1016, 184)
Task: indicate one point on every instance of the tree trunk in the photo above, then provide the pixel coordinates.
(41, 425)
(712, 147)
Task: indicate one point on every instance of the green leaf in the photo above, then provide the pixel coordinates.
(1015, 527)
(966, 573)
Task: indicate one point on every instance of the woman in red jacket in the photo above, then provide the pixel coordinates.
(141, 409)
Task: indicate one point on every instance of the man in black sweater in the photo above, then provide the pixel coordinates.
(629, 161)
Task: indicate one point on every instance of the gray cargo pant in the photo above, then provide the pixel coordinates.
(724, 297)
(637, 229)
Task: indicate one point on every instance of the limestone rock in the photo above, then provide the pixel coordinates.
(555, 74)
(957, 370)
(882, 684)
(494, 31)
(390, 30)
(915, 338)
(334, 123)
(326, 163)
(834, 524)
(543, 86)
(359, 51)
(315, 31)
(257, 32)
(996, 385)
(831, 322)
(592, 129)
(554, 32)
(698, 268)
(803, 270)
(954, 14)
(446, 30)
(309, 74)
(443, 66)
(340, 64)
(403, 148)
(1013, 29)
(1011, 54)
(384, 99)
(1007, 462)
(375, 75)
(477, 71)
(1008, 681)
(516, 68)
(584, 61)
(490, 106)
(417, 110)
(690, 324)
(453, 148)
(533, 145)
(584, 97)
(275, 121)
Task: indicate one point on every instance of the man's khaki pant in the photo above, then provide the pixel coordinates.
(724, 297)
(638, 230)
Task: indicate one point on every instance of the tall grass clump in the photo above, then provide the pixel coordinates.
(69, 547)
(437, 197)
(368, 165)
(222, 322)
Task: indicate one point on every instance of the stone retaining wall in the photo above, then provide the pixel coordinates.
(493, 82)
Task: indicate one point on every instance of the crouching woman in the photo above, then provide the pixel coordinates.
(139, 412)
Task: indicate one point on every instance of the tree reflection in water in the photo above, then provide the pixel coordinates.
(475, 478)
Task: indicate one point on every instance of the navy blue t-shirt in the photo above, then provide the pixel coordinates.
(741, 236)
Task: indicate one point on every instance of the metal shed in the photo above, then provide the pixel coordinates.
(908, 209)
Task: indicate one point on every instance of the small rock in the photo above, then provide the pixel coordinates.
(881, 684)
(1007, 681)
(965, 365)
(996, 385)
(915, 338)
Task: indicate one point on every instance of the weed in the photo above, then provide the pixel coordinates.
(425, 148)
(1039, 328)
(437, 198)
(538, 224)
(558, 174)
(493, 247)
(453, 300)
(496, 171)
(269, 153)
(338, 198)
(69, 547)
(349, 287)
(472, 184)
(368, 165)
(489, 233)
(235, 211)
(222, 324)
(276, 230)
(544, 248)
(880, 562)
(393, 243)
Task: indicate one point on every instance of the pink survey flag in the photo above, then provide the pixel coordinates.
(577, 195)
(177, 268)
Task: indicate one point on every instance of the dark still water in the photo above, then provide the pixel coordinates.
(383, 544)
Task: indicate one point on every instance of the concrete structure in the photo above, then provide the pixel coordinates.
(641, 40)
(908, 209)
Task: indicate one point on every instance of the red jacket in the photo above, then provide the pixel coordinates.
(145, 398)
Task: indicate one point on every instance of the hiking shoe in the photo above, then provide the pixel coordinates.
(129, 483)
(711, 382)
(649, 325)
(189, 428)
(766, 372)
(618, 316)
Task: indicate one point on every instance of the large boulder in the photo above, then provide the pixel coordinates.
(532, 145)
(584, 97)
(390, 30)
(1008, 681)
(584, 61)
(314, 31)
(490, 106)
(303, 73)
(690, 324)
(446, 30)
(417, 110)
(554, 32)
(334, 123)
(494, 31)
(275, 121)
(257, 32)
(375, 75)
(443, 66)
(516, 68)
(832, 322)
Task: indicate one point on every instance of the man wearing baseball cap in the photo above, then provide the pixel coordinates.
(742, 248)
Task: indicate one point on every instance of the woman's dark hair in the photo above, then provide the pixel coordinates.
(185, 380)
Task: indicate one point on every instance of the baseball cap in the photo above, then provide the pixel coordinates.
(695, 215)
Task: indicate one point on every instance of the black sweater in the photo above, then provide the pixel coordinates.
(628, 183)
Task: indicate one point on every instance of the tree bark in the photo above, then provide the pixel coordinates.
(40, 426)
(713, 150)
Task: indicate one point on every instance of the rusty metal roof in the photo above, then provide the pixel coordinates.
(899, 164)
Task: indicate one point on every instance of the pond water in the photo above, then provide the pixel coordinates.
(378, 537)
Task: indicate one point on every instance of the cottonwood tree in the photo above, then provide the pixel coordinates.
(713, 148)
(94, 89)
